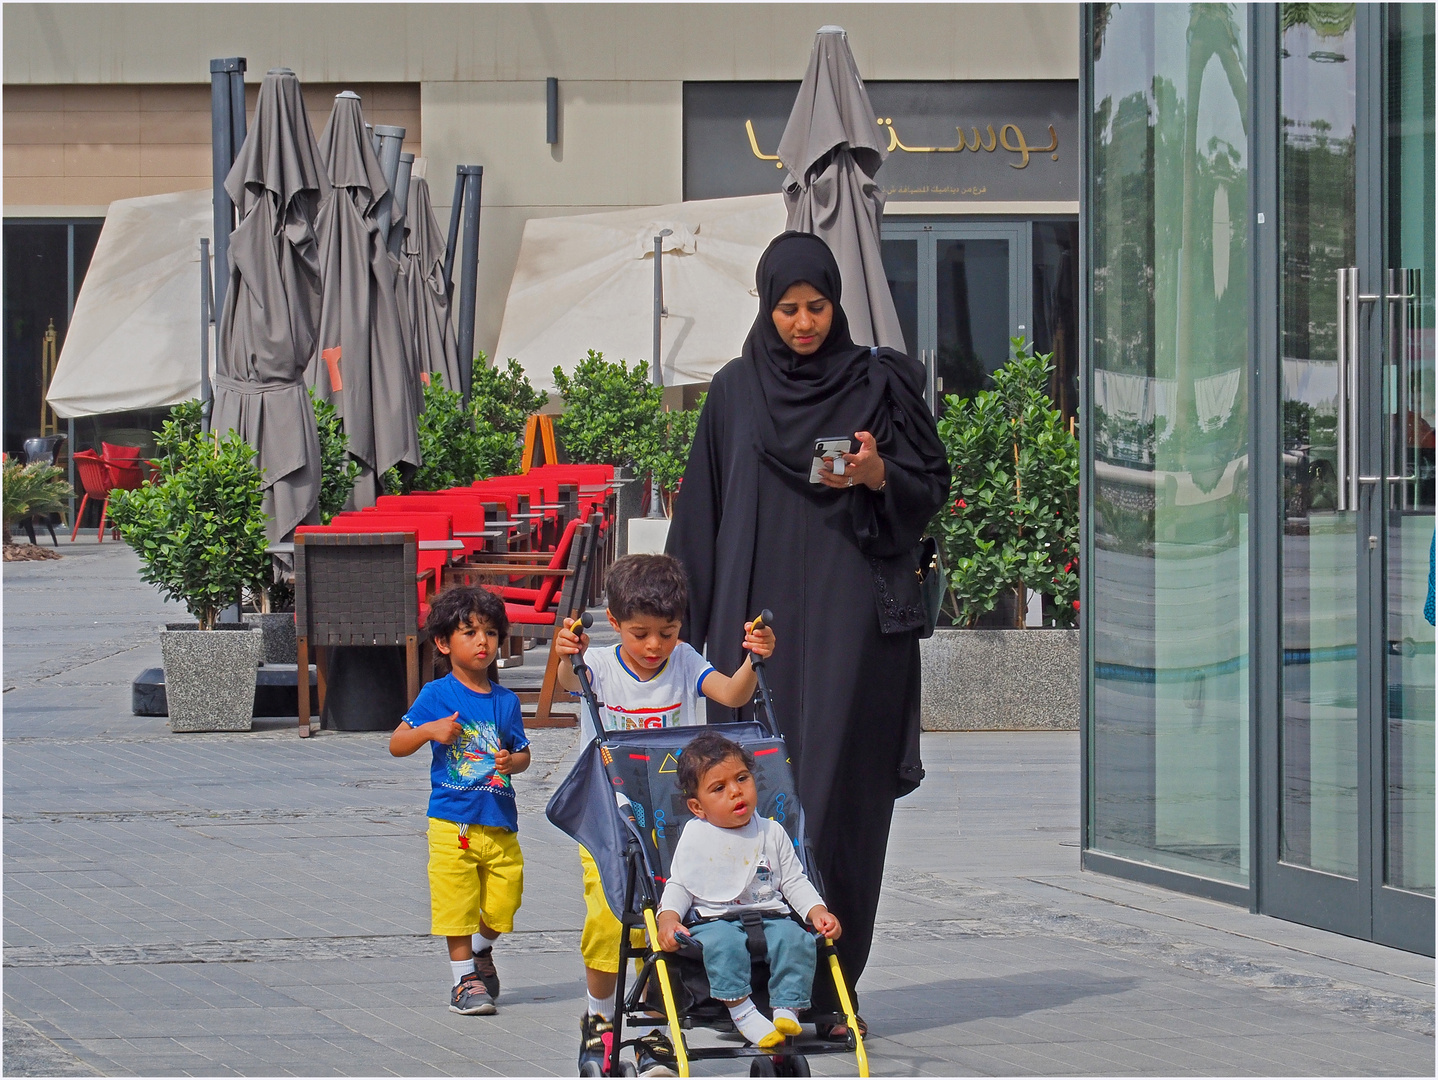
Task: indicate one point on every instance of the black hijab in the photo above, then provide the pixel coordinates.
(839, 389)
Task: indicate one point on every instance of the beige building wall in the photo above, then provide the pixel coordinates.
(480, 71)
(72, 150)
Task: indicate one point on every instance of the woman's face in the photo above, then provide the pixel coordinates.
(803, 317)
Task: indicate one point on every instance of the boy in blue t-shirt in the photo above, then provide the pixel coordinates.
(476, 870)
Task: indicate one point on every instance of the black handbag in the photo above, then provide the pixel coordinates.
(931, 583)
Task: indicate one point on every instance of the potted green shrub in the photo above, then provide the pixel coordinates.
(609, 411)
(461, 443)
(665, 451)
(200, 535)
(1009, 530)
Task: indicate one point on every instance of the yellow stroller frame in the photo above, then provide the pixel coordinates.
(632, 764)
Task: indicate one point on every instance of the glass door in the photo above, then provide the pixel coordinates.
(1403, 900)
(962, 289)
(1355, 738)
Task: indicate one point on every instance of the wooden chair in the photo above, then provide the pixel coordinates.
(534, 620)
(358, 589)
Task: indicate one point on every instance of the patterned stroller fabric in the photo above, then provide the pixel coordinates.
(629, 787)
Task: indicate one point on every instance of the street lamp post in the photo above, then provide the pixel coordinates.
(656, 371)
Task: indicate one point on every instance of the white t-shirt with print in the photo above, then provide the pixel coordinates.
(626, 702)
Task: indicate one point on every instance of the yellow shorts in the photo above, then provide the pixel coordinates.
(599, 943)
(484, 881)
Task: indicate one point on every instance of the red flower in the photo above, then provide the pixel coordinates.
(962, 505)
(1076, 605)
(1068, 567)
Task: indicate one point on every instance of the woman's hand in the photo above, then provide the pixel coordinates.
(866, 467)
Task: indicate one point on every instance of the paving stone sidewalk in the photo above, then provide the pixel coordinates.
(252, 904)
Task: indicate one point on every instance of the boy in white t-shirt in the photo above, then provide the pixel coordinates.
(650, 679)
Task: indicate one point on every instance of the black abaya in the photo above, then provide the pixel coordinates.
(752, 532)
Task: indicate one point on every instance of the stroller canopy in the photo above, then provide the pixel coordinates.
(626, 786)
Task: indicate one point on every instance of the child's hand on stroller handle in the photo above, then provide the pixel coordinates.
(571, 639)
(671, 931)
(759, 637)
(823, 921)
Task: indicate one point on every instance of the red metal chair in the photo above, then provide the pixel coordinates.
(95, 480)
(126, 474)
(112, 452)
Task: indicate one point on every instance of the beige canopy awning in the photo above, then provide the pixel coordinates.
(134, 338)
(587, 282)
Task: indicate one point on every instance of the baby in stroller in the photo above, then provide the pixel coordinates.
(731, 871)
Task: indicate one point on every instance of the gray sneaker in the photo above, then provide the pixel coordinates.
(470, 998)
(484, 968)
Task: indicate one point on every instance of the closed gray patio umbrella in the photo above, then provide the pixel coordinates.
(360, 361)
(833, 147)
(272, 303)
(425, 297)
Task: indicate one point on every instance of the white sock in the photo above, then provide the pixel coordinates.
(786, 1021)
(752, 1024)
(480, 943)
(459, 969)
(598, 1006)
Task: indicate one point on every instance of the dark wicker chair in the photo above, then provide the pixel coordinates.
(358, 589)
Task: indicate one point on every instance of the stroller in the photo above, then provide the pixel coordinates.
(623, 803)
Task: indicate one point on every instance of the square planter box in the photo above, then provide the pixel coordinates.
(210, 676)
(279, 629)
(647, 536)
(1000, 680)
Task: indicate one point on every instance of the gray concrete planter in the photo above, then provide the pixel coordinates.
(279, 630)
(210, 676)
(631, 497)
(1000, 680)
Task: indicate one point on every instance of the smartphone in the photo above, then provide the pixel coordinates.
(833, 448)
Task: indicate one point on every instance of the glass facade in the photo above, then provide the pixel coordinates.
(1258, 369)
(1168, 739)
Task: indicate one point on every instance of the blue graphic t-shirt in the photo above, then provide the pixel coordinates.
(464, 786)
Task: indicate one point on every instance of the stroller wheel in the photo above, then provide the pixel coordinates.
(628, 1068)
(591, 1068)
(799, 1065)
(763, 1066)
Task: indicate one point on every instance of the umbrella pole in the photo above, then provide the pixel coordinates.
(390, 140)
(227, 134)
(206, 298)
(401, 203)
(452, 244)
(468, 272)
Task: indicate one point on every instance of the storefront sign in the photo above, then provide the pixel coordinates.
(947, 141)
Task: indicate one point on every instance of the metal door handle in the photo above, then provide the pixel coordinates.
(1403, 289)
(1348, 300)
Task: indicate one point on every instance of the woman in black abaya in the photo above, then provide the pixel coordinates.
(835, 560)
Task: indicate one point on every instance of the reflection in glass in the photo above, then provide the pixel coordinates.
(1055, 311)
(1318, 737)
(1169, 430)
(1409, 802)
(973, 312)
(37, 258)
(901, 268)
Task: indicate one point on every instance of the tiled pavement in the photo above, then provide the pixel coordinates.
(254, 904)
